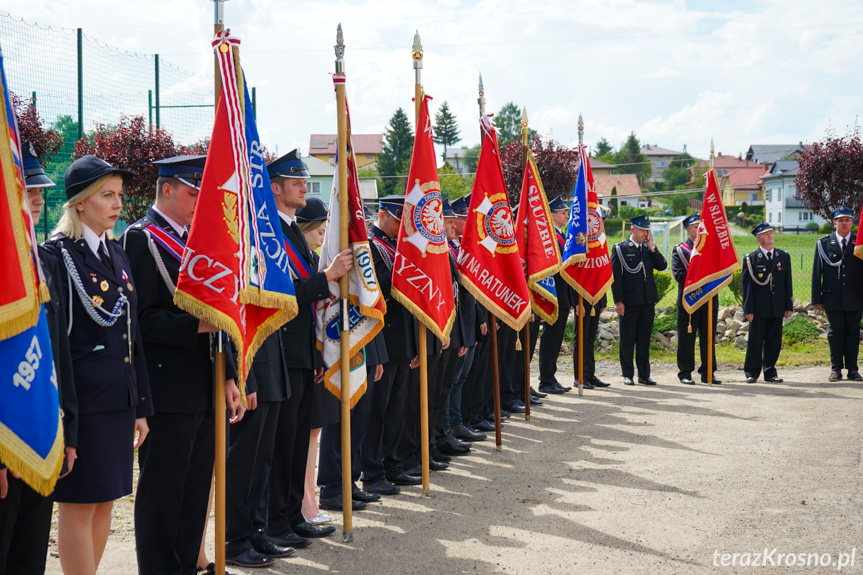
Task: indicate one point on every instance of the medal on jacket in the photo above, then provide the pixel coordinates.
(98, 300)
(104, 285)
(93, 277)
(779, 266)
(128, 283)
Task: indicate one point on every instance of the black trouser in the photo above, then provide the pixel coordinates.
(844, 339)
(591, 326)
(25, 524)
(549, 346)
(248, 477)
(330, 462)
(386, 420)
(438, 403)
(509, 391)
(410, 446)
(762, 349)
(686, 340)
(518, 374)
(288, 473)
(476, 393)
(176, 464)
(636, 328)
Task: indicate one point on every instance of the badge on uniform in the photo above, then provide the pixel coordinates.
(779, 266)
(93, 277)
(98, 300)
(104, 285)
(128, 283)
(760, 276)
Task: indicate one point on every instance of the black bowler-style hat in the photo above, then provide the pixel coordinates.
(314, 211)
(34, 175)
(86, 170)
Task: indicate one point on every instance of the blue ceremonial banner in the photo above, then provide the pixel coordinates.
(31, 431)
(268, 261)
(575, 249)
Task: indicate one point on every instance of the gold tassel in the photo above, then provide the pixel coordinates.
(44, 294)
(592, 311)
(517, 342)
(689, 329)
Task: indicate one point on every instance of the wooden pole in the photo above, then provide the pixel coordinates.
(580, 311)
(710, 324)
(219, 367)
(417, 53)
(527, 325)
(344, 293)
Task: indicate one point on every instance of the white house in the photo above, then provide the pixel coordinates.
(781, 209)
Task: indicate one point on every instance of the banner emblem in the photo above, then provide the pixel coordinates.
(424, 219)
(495, 226)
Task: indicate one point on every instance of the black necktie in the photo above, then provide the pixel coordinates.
(770, 256)
(844, 244)
(106, 259)
(185, 236)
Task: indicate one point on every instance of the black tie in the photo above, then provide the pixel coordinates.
(844, 244)
(770, 256)
(185, 236)
(106, 259)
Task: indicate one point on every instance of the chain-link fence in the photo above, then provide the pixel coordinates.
(78, 82)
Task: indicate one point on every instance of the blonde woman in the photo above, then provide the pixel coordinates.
(312, 220)
(107, 360)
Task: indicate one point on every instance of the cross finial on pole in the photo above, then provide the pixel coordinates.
(580, 130)
(481, 99)
(340, 51)
(712, 155)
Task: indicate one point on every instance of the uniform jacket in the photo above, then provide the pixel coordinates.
(106, 378)
(398, 321)
(269, 372)
(837, 288)
(775, 297)
(298, 335)
(679, 267)
(457, 335)
(179, 359)
(635, 288)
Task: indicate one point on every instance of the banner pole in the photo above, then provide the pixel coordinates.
(527, 325)
(417, 53)
(219, 367)
(711, 325)
(580, 311)
(344, 293)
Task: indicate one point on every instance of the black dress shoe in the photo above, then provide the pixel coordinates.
(750, 379)
(628, 381)
(549, 388)
(404, 479)
(358, 494)
(269, 549)
(687, 380)
(598, 382)
(335, 503)
(381, 487)
(461, 431)
(773, 379)
(585, 385)
(535, 401)
(436, 465)
(835, 376)
(251, 559)
(716, 381)
(291, 539)
(483, 425)
(439, 457)
(516, 407)
(565, 388)
(646, 381)
(855, 376)
(306, 529)
(453, 448)
(535, 393)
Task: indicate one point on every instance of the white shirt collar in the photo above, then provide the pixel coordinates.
(177, 227)
(840, 238)
(638, 245)
(94, 242)
(766, 252)
(287, 219)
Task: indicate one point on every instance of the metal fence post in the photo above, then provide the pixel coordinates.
(150, 105)
(158, 114)
(80, 83)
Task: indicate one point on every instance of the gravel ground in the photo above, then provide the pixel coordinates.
(650, 480)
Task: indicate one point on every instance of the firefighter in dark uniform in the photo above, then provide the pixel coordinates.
(698, 321)
(389, 398)
(836, 280)
(175, 463)
(288, 176)
(635, 296)
(25, 515)
(767, 299)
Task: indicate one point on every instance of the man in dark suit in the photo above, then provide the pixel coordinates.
(635, 296)
(380, 451)
(836, 279)
(288, 176)
(690, 325)
(176, 462)
(25, 515)
(767, 299)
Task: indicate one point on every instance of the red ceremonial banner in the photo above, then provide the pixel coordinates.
(536, 242)
(421, 275)
(592, 277)
(489, 260)
(713, 260)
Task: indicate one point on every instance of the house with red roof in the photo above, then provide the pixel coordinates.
(367, 147)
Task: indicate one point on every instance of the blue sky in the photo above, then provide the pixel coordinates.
(677, 73)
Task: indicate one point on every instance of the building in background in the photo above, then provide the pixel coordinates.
(320, 181)
(781, 209)
(629, 193)
(660, 158)
(367, 147)
(769, 154)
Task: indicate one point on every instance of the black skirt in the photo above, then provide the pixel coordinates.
(325, 406)
(103, 470)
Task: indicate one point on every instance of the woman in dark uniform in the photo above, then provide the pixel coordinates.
(312, 220)
(107, 360)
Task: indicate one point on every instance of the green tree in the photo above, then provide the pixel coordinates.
(602, 147)
(471, 158)
(612, 203)
(452, 184)
(446, 130)
(675, 177)
(630, 160)
(394, 161)
(679, 203)
(370, 174)
(508, 124)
